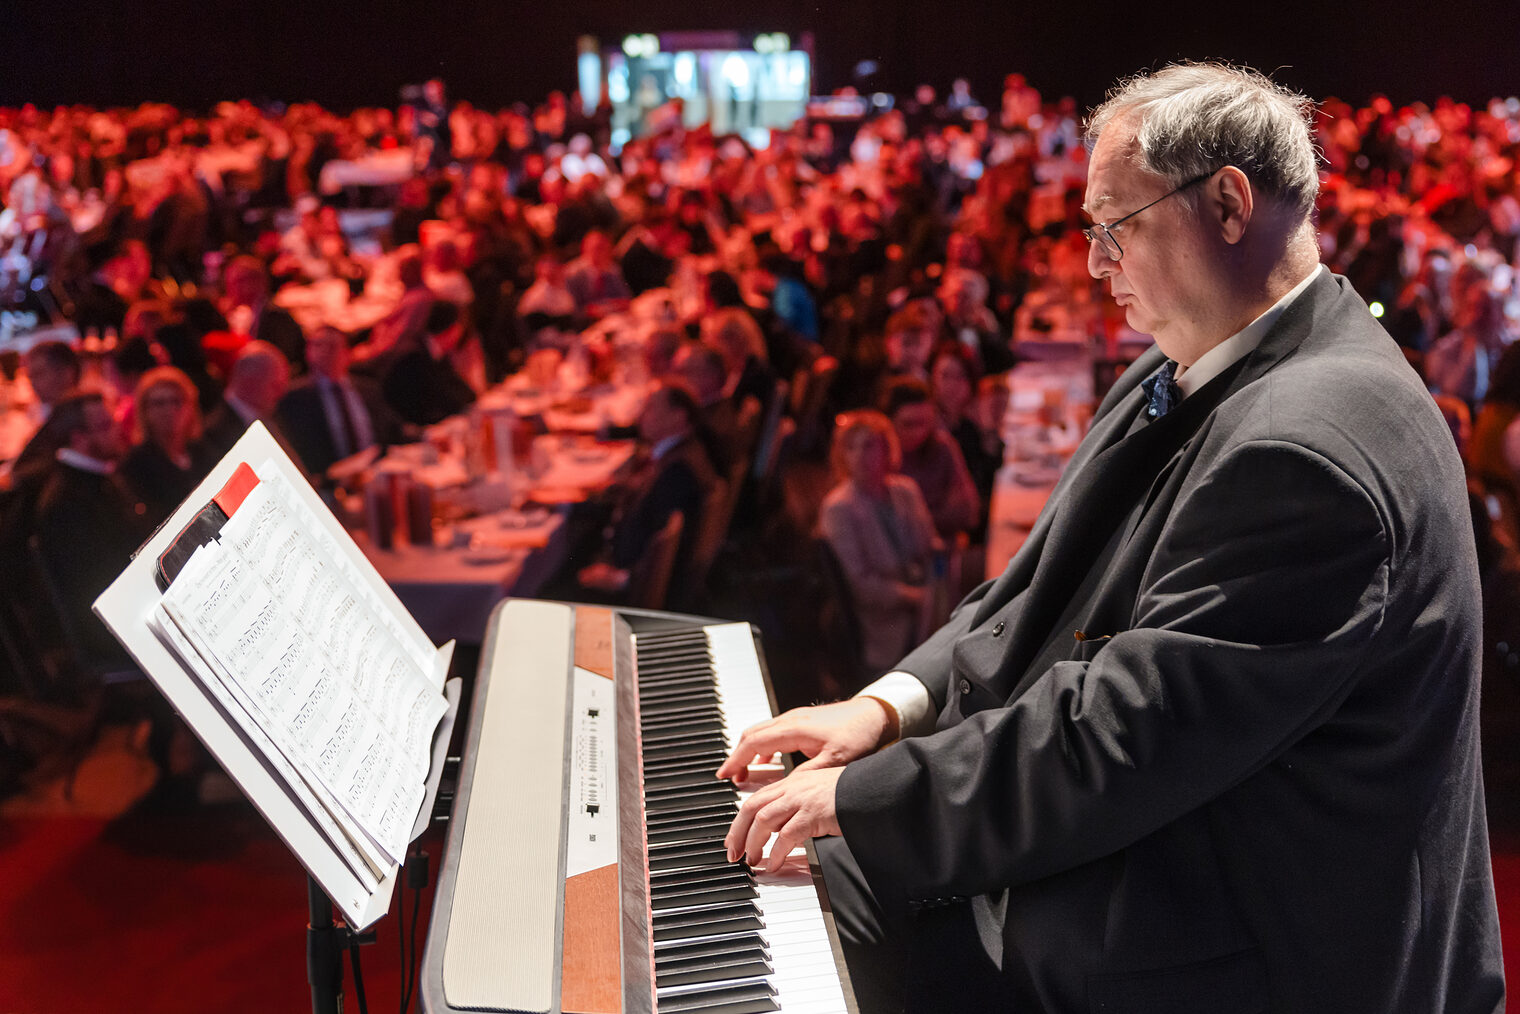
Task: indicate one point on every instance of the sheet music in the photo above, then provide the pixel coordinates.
(314, 658)
(359, 854)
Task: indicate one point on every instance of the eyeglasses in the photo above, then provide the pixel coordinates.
(1104, 234)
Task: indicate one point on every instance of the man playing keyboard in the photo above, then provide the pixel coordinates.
(1210, 743)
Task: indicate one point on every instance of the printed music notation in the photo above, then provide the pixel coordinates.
(294, 646)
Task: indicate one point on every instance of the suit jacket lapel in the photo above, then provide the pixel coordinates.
(1111, 422)
(1120, 475)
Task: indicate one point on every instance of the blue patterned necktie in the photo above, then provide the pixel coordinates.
(1161, 391)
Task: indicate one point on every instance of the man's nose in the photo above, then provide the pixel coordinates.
(1099, 263)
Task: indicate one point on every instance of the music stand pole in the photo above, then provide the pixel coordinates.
(324, 952)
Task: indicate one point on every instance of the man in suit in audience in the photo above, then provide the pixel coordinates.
(52, 367)
(85, 522)
(677, 477)
(249, 312)
(1210, 743)
(422, 385)
(731, 424)
(330, 414)
(259, 379)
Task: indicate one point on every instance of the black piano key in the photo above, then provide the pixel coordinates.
(753, 997)
(691, 795)
(665, 751)
(708, 758)
(694, 762)
(683, 673)
(701, 709)
(719, 819)
(710, 947)
(695, 914)
(701, 845)
(707, 859)
(689, 832)
(669, 898)
(683, 732)
(668, 668)
(677, 658)
(702, 924)
(680, 879)
(701, 777)
(700, 715)
(699, 970)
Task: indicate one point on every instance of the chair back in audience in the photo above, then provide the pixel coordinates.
(838, 625)
(649, 583)
(717, 508)
(814, 426)
(768, 447)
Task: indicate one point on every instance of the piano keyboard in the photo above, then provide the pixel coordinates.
(726, 940)
(721, 939)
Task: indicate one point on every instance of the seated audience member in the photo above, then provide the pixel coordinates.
(729, 421)
(790, 299)
(1493, 454)
(908, 340)
(972, 325)
(677, 477)
(124, 369)
(422, 385)
(878, 525)
(547, 303)
(594, 280)
(259, 378)
(1461, 361)
(53, 369)
(931, 458)
(86, 522)
(330, 414)
(248, 311)
(954, 379)
(166, 461)
(660, 351)
(401, 331)
(647, 254)
(735, 336)
(444, 277)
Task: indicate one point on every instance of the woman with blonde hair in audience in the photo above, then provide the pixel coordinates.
(737, 338)
(165, 462)
(878, 526)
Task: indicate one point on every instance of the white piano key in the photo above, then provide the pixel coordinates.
(805, 976)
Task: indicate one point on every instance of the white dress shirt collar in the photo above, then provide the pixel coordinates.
(83, 462)
(1235, 348)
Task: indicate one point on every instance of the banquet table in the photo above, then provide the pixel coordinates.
(450, 589)
(515, 540)
(329, 303)
(379, 168)
(1042, 428)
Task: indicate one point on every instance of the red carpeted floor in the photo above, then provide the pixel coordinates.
(110, 902)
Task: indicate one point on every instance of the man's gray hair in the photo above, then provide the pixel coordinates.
(1194, 118)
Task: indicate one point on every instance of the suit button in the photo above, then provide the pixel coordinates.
(997, 629)
(965, 687)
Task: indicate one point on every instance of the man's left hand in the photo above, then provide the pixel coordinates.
(798, 807)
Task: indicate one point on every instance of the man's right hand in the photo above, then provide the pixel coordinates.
(830, 734)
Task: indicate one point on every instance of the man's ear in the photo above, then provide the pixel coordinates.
(1231, 203)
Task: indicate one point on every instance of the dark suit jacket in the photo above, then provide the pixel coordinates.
(224, 427)
(87, 526)
(1251, 781)
(678, 481)
(157, 480)
(279, 328)
(304, 421)
(424, 390)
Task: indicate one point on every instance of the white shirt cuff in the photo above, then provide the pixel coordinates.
(915, 708)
